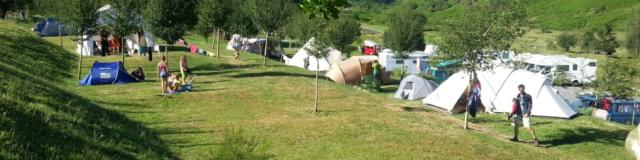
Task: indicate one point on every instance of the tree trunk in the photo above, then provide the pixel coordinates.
(80, 59)
(218, 43)
(123, 43)
(266, 44)
(213, 43)
(60, 36)
(469, 89)
(317, 97)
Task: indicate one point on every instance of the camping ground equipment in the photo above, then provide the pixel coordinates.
(107, 73)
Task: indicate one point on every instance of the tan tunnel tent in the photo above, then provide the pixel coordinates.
(352, 70)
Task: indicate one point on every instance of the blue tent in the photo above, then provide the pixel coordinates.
(107, 73)
(50, 27)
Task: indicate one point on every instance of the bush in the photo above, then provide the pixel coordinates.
(237, 145)
(370, 84)
(560, 78)
(427, 76)
(396, 74)
(566, 41)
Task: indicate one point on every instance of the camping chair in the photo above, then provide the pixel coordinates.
(186, 87)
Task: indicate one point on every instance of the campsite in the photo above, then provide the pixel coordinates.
(309, 87)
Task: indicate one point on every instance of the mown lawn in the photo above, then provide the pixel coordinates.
(272, 106)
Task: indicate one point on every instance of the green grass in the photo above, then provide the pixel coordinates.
(272, 106)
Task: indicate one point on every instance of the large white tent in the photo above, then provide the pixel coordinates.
(499, 87)
(298, 59)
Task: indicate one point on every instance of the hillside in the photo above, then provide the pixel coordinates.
(552, 14)
(50, 117)
(43, 119)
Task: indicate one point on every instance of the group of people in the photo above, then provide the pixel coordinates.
(173, 83)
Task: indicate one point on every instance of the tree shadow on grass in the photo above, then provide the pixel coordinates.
(270, 74)
(40, 120)
(584, 134)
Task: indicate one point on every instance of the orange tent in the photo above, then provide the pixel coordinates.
(352, 70)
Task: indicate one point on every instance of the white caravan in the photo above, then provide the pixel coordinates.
(578, 70)
(417, 62)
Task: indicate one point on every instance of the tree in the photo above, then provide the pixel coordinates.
(122, 20)
(566, 41)
(239, 20)
(633, 33)
(483, 30)
(607, 40)
(169, 20)
(619, 79)
(589, 42)
(320, 46)
(212, 14)
(405, 33)
(269, 15)
(342, 33)
(80, 19)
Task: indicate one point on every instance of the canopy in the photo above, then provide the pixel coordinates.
(499, 87)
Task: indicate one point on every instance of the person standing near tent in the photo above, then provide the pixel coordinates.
(184, 67)
(163, 71)
(522, 114)
(237, 45)
(376, 70)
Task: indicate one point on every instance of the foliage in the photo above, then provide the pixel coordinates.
(619, 78)
(79, 19)
(15, 6)
(269, 15)
(326, 9)
(484, 30)
(211, 14)
(397, 74)
(342, 33)
(122, 19)
(239, 20)
(369, 83)
(169, 20)
(560, 78)
(405, 33)
(237, 145)
(566, 41)
(633, 33)
(589, 42)
(607, 42)
(427, 76)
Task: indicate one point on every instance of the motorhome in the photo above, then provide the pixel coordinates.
(578, 70)
(417, 62)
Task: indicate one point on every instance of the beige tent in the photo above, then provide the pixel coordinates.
(350, 71)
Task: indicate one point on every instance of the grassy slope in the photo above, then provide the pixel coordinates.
(43, 118)
(273, 105)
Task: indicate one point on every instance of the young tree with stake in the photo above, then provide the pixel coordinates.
(405, 33)
(483, 30)
(268, 16)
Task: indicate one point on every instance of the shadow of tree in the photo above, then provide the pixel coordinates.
(584, 134)
(40, 120)
(271, 74)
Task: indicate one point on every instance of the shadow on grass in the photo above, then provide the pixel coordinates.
(414, 109)
(270, 74)
(40, 120)
(584, 134)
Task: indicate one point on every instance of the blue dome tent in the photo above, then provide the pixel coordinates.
(107, 73)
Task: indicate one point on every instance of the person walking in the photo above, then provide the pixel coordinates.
(237, 45)
(184, 67)
(163, 71)
(521, 114)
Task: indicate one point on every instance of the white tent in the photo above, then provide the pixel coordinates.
(298, 59)
(413, 87)
(88, 44)
(499, 87)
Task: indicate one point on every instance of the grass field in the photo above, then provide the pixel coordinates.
(46, 115)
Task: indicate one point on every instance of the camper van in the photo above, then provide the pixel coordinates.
(578, 70)
(417, 62)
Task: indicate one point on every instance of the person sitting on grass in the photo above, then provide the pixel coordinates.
(138, 74)
(175, 83)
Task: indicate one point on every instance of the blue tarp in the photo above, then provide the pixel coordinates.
(107, 73)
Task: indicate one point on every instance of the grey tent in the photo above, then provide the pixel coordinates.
(413, 87)
(50, 27)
